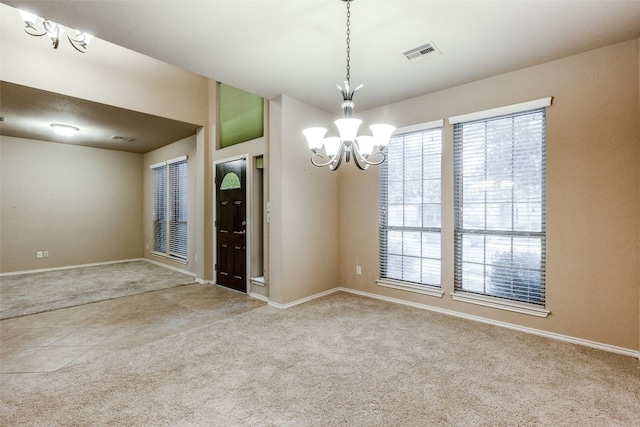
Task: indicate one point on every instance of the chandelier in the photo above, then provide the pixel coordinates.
(366, 150)
(55, 31)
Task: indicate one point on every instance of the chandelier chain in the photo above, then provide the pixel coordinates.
(348, 40)
(365, 150)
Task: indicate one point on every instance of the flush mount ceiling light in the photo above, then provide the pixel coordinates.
(366, 150)
(55, 31)
(64, 130)
(119, 138)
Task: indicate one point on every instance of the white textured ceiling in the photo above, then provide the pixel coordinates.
(298, 47)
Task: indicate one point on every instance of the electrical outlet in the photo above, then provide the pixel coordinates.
(46, 254)
(358, 269)
(39, 254)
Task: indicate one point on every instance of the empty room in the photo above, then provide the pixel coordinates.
(319, 212)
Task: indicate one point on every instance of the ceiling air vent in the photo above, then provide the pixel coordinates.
(121, 138)
(421, 53)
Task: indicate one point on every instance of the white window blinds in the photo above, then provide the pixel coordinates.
(499, 185)
(178, 209)
(409, 208)
(159, 176)
(170, 208)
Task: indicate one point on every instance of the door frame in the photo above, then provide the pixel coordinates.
(248, 188)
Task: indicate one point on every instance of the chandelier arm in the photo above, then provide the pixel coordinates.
(75, 43)
(335, 160)
(359, 157)
(376, 162)
(321, 165)
(33, 31)
(338, 156)
(382, 156)
(53, 30)
(348, 148)
(356, 160)
(56, 41)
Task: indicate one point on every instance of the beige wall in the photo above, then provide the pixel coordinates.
(255, 202)
(303, 232)
(185, 147)
(80, 204)
(593, 183)
(106, 73)
(117, 76)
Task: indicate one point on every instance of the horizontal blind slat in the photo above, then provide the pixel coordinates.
(159, 177)
(409, 208)
(499, 206)
(178, 208)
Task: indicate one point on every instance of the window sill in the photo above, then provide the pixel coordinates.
(259, 281)
(169, 258)
(178, 260)
(411, 287)
(499, 303)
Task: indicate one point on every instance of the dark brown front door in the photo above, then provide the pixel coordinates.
(231, 221)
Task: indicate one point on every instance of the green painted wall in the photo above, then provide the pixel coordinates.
(241, 116)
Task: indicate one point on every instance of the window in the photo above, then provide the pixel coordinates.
(409, 207)
(499, 201)
(159, 208)
(231, 181)
(178, 209)
(241, 116)
(170, 208)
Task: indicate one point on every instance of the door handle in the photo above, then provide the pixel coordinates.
(240, 232)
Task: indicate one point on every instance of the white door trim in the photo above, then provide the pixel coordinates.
(248, 192)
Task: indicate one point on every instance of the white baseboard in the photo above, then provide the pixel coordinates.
(300, 301)
(260, 297)
(560, 337)
(95, 264)
(68, 267)
(552, 335)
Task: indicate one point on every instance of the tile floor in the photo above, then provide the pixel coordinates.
(48, 341)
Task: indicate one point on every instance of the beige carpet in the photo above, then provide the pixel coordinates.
(340, 360)
(51, 290)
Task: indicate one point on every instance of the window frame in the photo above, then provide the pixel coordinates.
(384, 278)
(170, 201)
(159, 207)
(497, 301)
